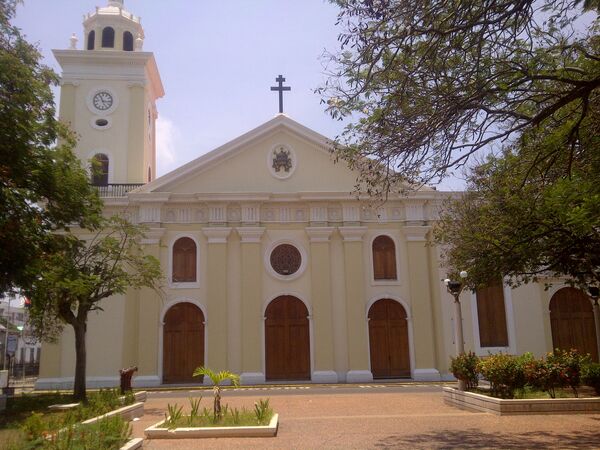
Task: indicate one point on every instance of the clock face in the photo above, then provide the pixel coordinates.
(102, 100)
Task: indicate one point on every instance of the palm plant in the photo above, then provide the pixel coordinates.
(217, 378)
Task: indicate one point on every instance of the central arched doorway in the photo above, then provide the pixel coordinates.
(183, 343)
(287, 341)
(388, 340)
(572, 322)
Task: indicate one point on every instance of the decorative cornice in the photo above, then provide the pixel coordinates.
(319, 234)
(352, 234)
(250, 235)
(416, 233)
(217, 235)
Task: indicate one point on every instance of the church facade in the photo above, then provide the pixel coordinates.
(273, 268)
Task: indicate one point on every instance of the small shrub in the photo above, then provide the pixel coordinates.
(263, 411)
(591, 376)
(106, 434)
(506, 373)
(173, 415)
(570, 364)
(464, 367)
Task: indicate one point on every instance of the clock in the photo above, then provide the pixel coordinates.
(102, 100)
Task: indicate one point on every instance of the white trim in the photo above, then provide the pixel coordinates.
(303, 256)
(187, 284)
(271, 153)
(359, 376)
(161, 323)
(252, 378)
(409, 323)
(427, 375)
(90, 100)
(510, 325)
(386, 282)
(67, 383)
(324, 376)
(111, 163)
(310, 329)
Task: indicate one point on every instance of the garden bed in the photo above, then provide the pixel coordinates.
(479, 402)
(159, 431)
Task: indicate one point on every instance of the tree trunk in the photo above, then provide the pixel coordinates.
(79, 391)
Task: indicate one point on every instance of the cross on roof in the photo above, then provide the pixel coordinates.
(280, 88)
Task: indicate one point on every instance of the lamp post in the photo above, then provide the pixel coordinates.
(595, 293)
(455, 288)
(21, 328)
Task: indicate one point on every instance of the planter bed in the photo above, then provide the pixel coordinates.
(156, 432)
(128, 413)
(501, 407)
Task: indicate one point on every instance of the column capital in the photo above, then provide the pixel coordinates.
(153, 235)
(250, 234)
(319, 234)
(351, 234)
(416, 233)
(216, 235)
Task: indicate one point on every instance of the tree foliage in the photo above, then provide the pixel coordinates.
(533, 211)
(429, 83)
(42, 186)
(76, 278)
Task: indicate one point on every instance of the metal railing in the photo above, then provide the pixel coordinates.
(116, 190)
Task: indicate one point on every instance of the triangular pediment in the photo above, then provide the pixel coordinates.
(280, 156)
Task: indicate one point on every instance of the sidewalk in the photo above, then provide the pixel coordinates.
(380, 419)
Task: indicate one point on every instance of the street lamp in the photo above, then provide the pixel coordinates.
(595, 293)
(455, 288)
(20, 328)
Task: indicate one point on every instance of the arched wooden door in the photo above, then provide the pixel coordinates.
(388, 340)
(287, 341)
(183, 343)
(572, 321)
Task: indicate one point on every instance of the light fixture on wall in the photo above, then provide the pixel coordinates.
(455, 288)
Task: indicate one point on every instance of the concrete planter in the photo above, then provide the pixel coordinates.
(478, 402)
(133, 444)
(155, 432)
(128, 413)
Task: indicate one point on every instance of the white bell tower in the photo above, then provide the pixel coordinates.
(108, 98)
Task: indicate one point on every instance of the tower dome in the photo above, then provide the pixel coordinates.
(112, 28)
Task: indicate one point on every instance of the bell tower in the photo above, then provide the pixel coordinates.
(108, 97)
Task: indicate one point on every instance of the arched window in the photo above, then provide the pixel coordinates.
(91, 39)
(100, 169)
(184, 260)
(108, 37)
(128, 41)
(384, 258)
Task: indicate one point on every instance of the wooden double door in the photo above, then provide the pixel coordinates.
(183, 343)
(287, 340)
(388, 340)
(572, 322)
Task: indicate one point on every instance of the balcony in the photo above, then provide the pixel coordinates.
(116, 190)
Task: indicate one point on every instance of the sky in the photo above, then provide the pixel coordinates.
(217, 60)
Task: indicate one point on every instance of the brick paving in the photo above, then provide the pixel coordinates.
(381, 418)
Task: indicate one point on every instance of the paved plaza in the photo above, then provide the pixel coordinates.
(376, 416)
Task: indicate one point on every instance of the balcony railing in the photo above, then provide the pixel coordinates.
(117, 190)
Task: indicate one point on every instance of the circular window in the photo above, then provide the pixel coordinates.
(286, 259)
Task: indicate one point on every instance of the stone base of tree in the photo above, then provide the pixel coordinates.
(156, 432)
(478, 402)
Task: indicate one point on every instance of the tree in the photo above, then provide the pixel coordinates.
(523, 217)
(430, 83)
(42, 186)
(217, 378)
(76, 278)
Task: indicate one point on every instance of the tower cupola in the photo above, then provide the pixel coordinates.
(113, 28)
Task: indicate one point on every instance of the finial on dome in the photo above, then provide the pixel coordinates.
(117, 3)
(73, 39)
